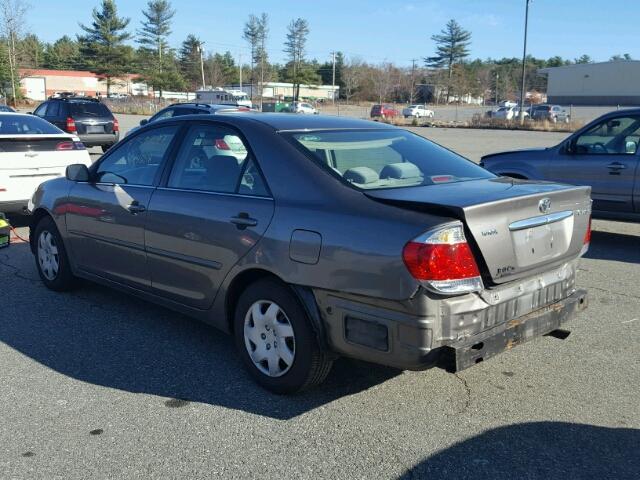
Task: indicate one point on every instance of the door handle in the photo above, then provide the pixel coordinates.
(135, 207)
(31, 154)
(616, 166)
(243, 220)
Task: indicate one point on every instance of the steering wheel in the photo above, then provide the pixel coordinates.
(600, 146)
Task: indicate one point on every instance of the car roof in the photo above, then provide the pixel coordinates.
(286, 121)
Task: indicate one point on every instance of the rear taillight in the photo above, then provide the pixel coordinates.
(116, 125)
(61, 146)
(69, 145)
(442, 261)
(71, 125)
(587, 238)
(221, 144)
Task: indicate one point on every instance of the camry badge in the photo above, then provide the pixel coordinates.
(544, 205)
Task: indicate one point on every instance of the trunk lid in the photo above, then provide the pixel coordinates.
(518, 227)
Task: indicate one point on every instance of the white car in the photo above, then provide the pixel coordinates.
(304, 108)
(508, 113)
(417, 111)
(31, 151)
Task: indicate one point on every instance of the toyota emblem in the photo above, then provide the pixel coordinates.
(544, 205)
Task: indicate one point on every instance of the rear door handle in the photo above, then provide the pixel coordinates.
(243, 220)
(135, 207)
(616, 166)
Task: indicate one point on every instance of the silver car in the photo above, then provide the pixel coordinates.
(322, 237)
(602, 155)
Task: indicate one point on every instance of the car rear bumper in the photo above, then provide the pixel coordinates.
(14, 206)
(98, 139)
(458, 356)
(409, 342)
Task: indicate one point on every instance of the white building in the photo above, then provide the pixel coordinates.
(606, 83)
(283, 90)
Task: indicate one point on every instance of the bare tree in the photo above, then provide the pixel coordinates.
(382, 77)
(352, 74)
(12, 23)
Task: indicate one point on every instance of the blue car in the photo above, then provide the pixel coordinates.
(603, 155)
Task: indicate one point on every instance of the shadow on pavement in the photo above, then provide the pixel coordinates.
(614, 246)
(541, 450)
(107, 338)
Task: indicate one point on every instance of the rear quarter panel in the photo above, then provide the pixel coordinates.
(525, 164)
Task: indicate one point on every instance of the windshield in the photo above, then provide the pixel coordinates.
(371, 159)
(25, 125)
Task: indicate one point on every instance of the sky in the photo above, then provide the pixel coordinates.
(381, 30)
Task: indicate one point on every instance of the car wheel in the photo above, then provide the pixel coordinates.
(51, 257)
(105, 148)
(276, 341)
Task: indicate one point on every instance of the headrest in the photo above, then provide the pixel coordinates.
(400, 170)
(361, 175)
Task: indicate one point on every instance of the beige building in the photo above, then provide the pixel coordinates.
(38, 84)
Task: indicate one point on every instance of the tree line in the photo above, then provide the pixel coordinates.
(111, 46)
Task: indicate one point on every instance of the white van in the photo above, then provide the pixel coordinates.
(224, 97)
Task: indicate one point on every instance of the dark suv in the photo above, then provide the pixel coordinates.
(88, 118)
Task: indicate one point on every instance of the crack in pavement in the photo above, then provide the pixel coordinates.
(635, 297)
(16, 271)
(467, 389)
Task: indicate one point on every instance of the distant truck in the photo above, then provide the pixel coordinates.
(223, 97)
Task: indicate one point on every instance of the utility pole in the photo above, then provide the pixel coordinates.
(524, 61)
(240, 65)
(204, 85)
(413, 79)
(333, 80)
(497, 85)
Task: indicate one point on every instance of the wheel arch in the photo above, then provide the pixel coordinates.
(36, 216)
(303, 294)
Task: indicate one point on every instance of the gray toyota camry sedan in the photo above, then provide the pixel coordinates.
(308, 238)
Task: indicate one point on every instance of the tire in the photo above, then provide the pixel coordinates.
(297, 363)
(105, 148)
(51, 257)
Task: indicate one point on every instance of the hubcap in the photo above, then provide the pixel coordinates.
(269, 338)
(48, 255)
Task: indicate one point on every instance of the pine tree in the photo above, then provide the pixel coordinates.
(157, 60)
(452, 46)
(189, 60)
(103, 46)
(295, 47)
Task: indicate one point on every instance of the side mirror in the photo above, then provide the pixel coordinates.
(143, 122)
(630, 147)
(78, 172)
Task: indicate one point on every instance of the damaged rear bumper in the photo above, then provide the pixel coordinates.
(479, 347)
(407, 341)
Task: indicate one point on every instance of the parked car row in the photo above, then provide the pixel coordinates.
(411, 111)
(550, 113)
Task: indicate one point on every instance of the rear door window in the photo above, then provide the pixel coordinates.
(53, 110)
(215, 159)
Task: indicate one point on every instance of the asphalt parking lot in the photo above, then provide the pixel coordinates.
(95, 383)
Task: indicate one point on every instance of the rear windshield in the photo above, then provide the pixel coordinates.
(25, 125)
(372, 159)
(542, 108)
(93, 109)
